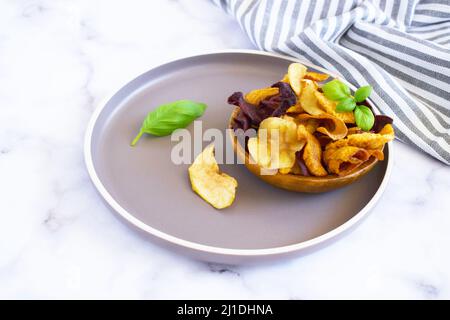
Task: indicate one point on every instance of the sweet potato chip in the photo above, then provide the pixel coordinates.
(308, 99)
(368, 140)
(315, 76)
(344, 160)
(372, 143)
(312, 153)
(296, 72)
(377, 154)
(216, 188)
(388, 132)
(354, 130)
(276, 143)
(256, 96)
(323, 139)
(311, 125)
(329, 106)
(325, 123)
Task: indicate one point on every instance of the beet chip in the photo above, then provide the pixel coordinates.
(301, 164)
(274, 106)
(287, 98)
(251, 111)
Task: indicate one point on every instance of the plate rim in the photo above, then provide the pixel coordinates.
(89, 163)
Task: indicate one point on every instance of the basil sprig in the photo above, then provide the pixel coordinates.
(338, 91)
(166, 118)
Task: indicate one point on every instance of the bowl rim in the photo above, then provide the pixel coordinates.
(89, 162)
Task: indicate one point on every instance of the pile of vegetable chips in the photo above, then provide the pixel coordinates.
(310, 126)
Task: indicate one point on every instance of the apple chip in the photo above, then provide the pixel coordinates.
(296, 72)
(308, 99)
(216, 188)
(329, 106)
(256, 96)
(324, 123)
(312, 153)
(276, 143)
(315, 76)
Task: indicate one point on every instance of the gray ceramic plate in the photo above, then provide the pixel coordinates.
(148, 191)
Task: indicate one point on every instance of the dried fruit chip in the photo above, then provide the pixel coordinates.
(296, 108)
(369, 140)
(241, 121)
(388, 132)
(316, 76)
(296, 72)
(324, 123)
(276, 143)
(366, 140)
(329, 106)
(377, 154)
(354, 130)
(256, 96)
(308, 99)
(344, 160)
(273, 106)
(216, 188)
(312, 153)
(323, 139)
(311, 125)
(287, 98)
(250, 111)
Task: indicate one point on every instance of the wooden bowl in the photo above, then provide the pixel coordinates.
(298, 183)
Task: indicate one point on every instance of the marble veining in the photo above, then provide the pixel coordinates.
(58, 59)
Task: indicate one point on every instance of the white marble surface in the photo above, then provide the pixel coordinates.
(57, 240)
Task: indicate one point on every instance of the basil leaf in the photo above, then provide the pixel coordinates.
(336, 90)
(346, 105)
(166, 118)
(363, 93)
(364, 117)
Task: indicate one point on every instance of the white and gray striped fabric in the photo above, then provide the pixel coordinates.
(400, 47)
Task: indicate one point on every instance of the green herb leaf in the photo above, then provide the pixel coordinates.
(336, 90)
(363, 93)
(166, 118)
(346, 105)
(364, 117)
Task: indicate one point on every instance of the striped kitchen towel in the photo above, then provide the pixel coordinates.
(400, 47)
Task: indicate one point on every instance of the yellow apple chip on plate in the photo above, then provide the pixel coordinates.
(215, 187)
